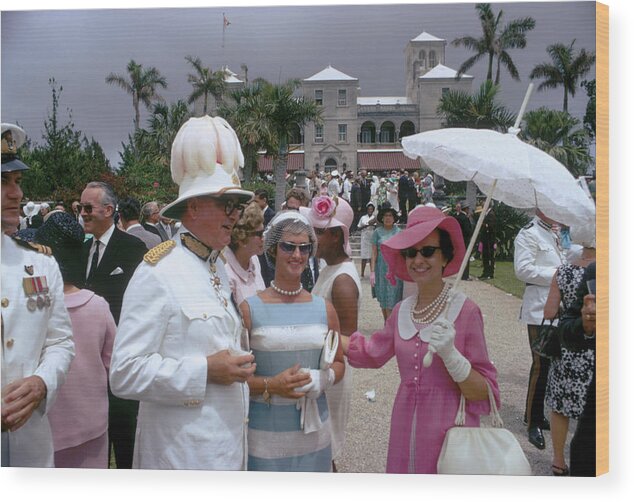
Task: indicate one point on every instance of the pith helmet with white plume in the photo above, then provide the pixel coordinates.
(206, 160)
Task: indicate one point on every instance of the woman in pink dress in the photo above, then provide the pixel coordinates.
(79, 417)
(449, 324)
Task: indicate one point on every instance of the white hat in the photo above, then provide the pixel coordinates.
(31, 209)
(19, 136)
(334, 173)
(206, 160)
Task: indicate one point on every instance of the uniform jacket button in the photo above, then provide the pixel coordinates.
(5, 303)
(10, 343)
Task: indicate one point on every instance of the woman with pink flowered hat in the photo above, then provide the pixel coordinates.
(447, 323)
(339, 283)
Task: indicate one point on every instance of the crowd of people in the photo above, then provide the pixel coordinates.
(215, 333)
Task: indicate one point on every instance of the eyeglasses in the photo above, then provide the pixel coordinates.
(87, 208)
(290, 247)
(231, 205)
(425, 252)
(257, 233)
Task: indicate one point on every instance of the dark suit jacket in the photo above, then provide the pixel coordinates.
(124, 251)
(268, 215)
(465, 226)
(151, 228)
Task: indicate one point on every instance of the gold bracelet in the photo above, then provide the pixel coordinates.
(265, 395)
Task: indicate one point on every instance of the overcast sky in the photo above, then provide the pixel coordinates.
(80, 47)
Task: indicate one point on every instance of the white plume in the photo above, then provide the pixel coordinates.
(200, 144)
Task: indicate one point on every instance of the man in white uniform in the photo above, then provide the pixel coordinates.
(537, 256)
(37, 345)
(178, 344)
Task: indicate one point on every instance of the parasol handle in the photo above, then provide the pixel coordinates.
(427, 360)
(520, 115)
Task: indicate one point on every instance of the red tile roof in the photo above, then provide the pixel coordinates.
(386, 161)
(295, 162)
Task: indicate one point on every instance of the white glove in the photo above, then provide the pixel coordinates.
(441, 341)
(321, 380)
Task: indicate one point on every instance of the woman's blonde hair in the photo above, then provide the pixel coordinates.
(251, 219)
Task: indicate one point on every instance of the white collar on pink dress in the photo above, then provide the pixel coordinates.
(407, 329)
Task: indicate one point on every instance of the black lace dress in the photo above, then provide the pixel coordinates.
(570, 375)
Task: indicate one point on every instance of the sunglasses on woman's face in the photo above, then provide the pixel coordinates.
(290, 247)
(257, 233)
(425, 252)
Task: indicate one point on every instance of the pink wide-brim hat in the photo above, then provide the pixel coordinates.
(330, 212)
(421, 222)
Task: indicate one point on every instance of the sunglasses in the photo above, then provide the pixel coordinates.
(257, 233)
(231, 205)
(87, 208)
(425, 252)
(290, 247)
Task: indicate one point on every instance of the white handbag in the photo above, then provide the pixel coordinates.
(328, 353)
(482, 450)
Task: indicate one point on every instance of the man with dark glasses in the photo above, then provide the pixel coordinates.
(180, 348)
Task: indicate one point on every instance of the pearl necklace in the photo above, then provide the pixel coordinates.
(432, 311)
(284, 292)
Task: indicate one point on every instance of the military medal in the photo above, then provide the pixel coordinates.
(36, 289)
(28, 269)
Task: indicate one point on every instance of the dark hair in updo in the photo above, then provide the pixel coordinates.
(446, 247)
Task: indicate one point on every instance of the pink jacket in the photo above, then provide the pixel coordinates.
(80, 412)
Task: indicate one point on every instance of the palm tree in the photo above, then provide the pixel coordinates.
(557, 133)
(205, 82)
(478, 111)
(495, 42)
(285, 112)
(248, 115)
(565, 69)
(141, 85)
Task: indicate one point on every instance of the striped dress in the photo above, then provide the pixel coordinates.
(283, 335)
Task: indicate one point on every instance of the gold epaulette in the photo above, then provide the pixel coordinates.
(221, 255)
(157, 252)
(40, 248)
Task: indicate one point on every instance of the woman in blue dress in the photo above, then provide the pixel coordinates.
(387, 294)
(289, 425)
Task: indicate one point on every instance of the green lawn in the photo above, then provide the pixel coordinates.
(504, 277)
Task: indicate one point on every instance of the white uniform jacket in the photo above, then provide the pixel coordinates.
(35, 342)
(172, 319)
(537, 256)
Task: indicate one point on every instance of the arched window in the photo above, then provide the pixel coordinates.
(387, 134)
(330, 164)
(368, 133)
(407, 129)
(423, 59)
(432, 59)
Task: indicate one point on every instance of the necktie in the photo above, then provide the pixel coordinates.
(95, 260)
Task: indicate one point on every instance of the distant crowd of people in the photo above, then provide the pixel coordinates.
(215, 333)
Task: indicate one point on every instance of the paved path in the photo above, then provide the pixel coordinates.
(368, 428)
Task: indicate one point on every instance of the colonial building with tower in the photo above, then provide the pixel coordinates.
(363, 132)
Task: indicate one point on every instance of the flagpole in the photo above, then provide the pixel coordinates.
(224, 27)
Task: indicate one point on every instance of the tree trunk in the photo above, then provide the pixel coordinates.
(250, 163)
(137, 113)
(490, 70)
(565, 99)
(279, 168)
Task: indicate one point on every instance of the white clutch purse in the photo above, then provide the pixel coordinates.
(331, 344)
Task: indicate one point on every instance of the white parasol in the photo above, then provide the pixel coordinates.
(504, 168)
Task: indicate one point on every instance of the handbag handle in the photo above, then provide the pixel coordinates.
(496, 419)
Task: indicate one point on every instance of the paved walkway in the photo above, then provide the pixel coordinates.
(368, 428)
